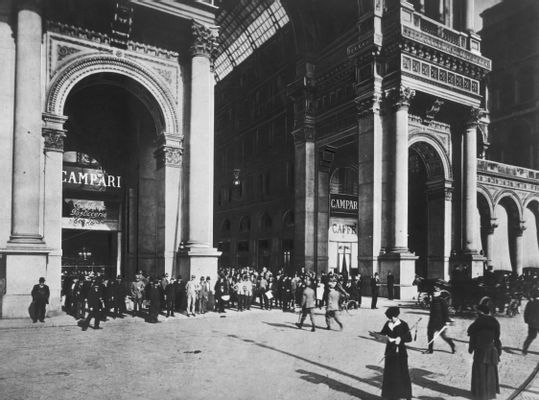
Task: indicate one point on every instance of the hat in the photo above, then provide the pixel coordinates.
(482, 308)
(392, 312)
(41, 279)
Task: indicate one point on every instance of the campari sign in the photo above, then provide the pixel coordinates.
(343, 204)
(74, 177)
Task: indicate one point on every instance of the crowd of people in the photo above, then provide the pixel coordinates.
(90, 294)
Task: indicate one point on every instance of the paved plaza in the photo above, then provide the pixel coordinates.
(250, 355)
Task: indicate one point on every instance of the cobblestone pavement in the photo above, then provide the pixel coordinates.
(250, 355)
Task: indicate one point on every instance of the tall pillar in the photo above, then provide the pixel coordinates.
(490, 228)
(469, 171)
(53, 134)
(370, 156)
(441, 10)
(198, 256)
(519, 246)
(470, 15)
(325, 158)
(400, 171)
(302, 93)
(25, 226)
(169, 161)
(399, 260)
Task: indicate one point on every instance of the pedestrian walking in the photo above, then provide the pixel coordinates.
(390, 285)
(486, 347)
(192, 289)
(531, 317)
(308, 303)
(375, 288)
(438, 322)
(396, 382)
(40, 299)
(332, 309)
(95, 305)
(170, 296)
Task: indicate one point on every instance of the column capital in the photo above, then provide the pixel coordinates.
(53, 131)
(490, 226)
(401, 97)
(169, 152)
(368, 105)
(474, 117)
(304, 134)
(204, 40)
(519, 228)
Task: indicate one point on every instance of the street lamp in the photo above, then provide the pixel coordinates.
(84, 254)
(236, 177)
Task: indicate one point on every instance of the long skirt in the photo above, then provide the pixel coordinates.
(397, 383)
(485, 382)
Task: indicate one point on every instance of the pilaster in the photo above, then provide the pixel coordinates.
(325, 159)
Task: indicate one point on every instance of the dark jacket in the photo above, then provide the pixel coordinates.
(95, 296)
(531, 313)
(41, 294)
(439, 313)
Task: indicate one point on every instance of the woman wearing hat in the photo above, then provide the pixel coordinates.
(486, 347)
(396, 383)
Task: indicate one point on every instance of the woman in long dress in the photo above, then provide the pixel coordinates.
(396, 384)
(486, 347)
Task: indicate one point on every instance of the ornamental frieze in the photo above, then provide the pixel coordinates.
(437, 75)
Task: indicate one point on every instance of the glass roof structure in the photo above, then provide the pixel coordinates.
(244, 27)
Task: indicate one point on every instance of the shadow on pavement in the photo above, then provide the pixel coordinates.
(413, 348)
(277, 325)
(336, 385)
(427, 379)
(514, 350)
(375, 381)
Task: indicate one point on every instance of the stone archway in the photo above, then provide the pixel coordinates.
(429, 202)
(161, 159)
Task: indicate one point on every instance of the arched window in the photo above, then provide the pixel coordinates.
(344, 181)
(265, 222)
(225, 227)
(245, 224)
(288, 219)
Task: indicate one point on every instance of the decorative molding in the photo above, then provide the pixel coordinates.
(326, 157)
(304, 134)
(54, 139)
(204, 40)
(433, 111)
(401, 96)
(63, 51)
(168, 157)
(368, 105)
(448, 194)
(82, 67)
(475, 116)
(438, 75)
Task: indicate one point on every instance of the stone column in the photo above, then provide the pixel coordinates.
(422, 6)
(370, 154)
(469, 171)
(168, 157)
(25, 226)
(199, 257)
(325, 158)
(490, 228)
(470, 15)
(400, 171)
(53, 134)
(302, 93)
(519, 246)
(441, 10)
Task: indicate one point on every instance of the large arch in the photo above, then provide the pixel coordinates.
(428, 204)
(163, 107)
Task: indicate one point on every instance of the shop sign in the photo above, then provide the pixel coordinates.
(89, 179)
(343, 204)
(90, 214)
(342, 230)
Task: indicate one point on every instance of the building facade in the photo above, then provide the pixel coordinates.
(106, 141)
(386, 127)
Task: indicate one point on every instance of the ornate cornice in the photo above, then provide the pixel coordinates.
(204, 40)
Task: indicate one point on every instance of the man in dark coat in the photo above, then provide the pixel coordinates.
(119, 292)
(170, 294)
(390, 285)
(531, 317)
(222, 289)
(375, 287)
(40, 298)
(95, 299)
(154, 293)
(438, 319)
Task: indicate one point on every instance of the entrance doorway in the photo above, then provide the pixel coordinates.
(418, 235)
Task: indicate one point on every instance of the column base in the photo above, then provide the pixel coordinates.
(198, 261)
(472, 260)
(402, 266)
(22, 266)
(26, 240)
